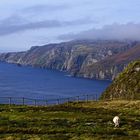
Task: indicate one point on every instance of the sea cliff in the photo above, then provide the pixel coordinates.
(100, 59)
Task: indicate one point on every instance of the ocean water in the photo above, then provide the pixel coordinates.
(29, 82)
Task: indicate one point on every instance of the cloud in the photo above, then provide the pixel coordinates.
(12, 20)
(13, 28)
(45, 8)
(114, 31)
(16, 24)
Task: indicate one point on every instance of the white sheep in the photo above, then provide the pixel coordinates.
(116, 121)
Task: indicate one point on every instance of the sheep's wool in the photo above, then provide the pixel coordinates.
(116, 120)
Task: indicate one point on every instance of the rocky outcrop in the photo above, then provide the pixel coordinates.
(109, 67)
(126, 85)
(83, 58)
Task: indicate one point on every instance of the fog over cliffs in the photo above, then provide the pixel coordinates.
(129, 31)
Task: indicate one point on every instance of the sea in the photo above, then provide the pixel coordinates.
(37, 83)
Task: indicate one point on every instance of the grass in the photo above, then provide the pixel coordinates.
(76, 121)
(126, 85)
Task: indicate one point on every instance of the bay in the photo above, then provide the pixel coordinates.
(29, 82)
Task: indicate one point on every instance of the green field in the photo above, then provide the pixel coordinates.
(74, 121)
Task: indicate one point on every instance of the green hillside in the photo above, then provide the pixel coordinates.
(76, 121)
(126, 85)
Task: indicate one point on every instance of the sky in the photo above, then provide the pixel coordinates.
(26, 23)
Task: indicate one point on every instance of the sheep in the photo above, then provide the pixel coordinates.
(116, 121)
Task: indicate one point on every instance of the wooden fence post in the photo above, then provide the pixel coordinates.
(46, 102)
(77, 99)
(10, 101)
(87, 98)
(68, 101)
(35, 102)
(96, 97)
(58, 101)
(23, 101)
(93, 97)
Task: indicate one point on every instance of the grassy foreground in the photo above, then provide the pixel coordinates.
(76, 121)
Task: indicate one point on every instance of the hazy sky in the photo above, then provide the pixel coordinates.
(24, 23)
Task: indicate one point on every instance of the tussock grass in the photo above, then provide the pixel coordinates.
(76, 121)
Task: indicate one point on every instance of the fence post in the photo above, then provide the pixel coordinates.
(58, 101)
(35, 102)
(77, 99)
(96, 97)
(87, 98)
(68, 101)
(10, 100)
(93, 97)
(23, 101)
(46, 102)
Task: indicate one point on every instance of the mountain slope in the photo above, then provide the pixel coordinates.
(83, 58)
(112, 65)
(126, 85)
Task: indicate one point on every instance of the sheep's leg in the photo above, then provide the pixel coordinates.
(116, 124)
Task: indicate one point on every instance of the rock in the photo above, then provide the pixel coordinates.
(82, 58)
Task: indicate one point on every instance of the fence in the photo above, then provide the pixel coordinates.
(45, 102)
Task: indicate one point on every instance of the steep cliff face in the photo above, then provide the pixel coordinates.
(126, 85)
(84, 58)
(109, 67)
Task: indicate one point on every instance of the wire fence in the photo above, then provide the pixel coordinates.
(45, 102)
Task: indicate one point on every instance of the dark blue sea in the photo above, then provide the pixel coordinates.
(29, 82)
